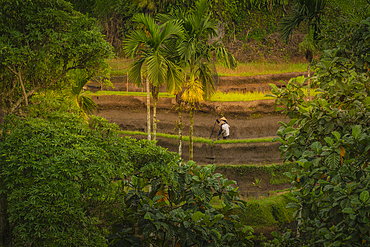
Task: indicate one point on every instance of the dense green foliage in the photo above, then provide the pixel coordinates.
(58, 174)
(329, 137)
(68, 181)
(40, 41)
(244, 19)
(177, 210)
(267, 212)
(275, 172)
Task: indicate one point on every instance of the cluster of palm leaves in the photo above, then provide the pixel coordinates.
(169, 49)
(85, 104)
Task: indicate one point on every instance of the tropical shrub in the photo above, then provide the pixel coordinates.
(59, 174)
(329, 138)
(177, 210)
(69, 181)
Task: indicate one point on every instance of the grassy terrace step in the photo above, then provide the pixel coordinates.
(275, 171)
(121, 67)
(218, 96)
(202, 140)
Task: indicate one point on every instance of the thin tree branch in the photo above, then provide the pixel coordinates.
(17, 104)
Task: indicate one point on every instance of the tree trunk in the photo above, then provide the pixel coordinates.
(155, 100)
(309, 81)
(5, 231)
(101, 84)
(179, 122)
(191, 132)
(23, 89)
(180, 130)
(148, 107)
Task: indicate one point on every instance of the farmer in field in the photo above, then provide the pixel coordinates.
(224, 128)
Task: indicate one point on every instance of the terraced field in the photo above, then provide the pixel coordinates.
(249, 157)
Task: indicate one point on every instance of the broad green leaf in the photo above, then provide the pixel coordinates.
(217, 233)
(322, 102)
(197, 216)
(367, 101)
(247, 229)
(329, 141)
(316, 147)
(148, 216)
(356, 131)
(333, 159)
(364, 196)
(348, 211)
(336, 134)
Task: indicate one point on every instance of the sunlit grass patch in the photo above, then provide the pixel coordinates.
(255, 140)
(200, 139)
(120, 66)
(260, 68)
(124, 93)
(235, 96)
(218, 96)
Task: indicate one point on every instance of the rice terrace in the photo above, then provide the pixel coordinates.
(184, 123)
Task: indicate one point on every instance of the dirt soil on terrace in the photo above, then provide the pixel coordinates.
(258, 83)
(253, 119)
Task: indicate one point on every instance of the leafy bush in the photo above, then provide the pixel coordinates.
(67, 181)
(58, 174)
(329, 138)
(177, 210)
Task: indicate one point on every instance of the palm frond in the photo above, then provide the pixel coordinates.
(86, 104)
(135, 71)
(205, 77)
(170, 29)
(177, 14)
(149, 23)
(174, 77)
(134, 42)
(80, 78)
(186, 49)
(201, 8)
(193, 92)
(226, 57)
(309, 11)
(288, 23)
(156, 64)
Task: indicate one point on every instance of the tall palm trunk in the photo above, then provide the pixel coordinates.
(309, 81)
(155, 93)
(148, 107)
(180, 129)
(191, 132)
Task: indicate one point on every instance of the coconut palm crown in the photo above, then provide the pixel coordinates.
(151, 47)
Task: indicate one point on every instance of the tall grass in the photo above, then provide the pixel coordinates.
(253, 68)
(124, 93)
(200, 139)
(121, 66)
(235, 96)
(218, 96)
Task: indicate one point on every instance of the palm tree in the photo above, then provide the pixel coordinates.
(309, 12)
(154, 58)
(85, 104)
(193, 95)
(196, 54)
